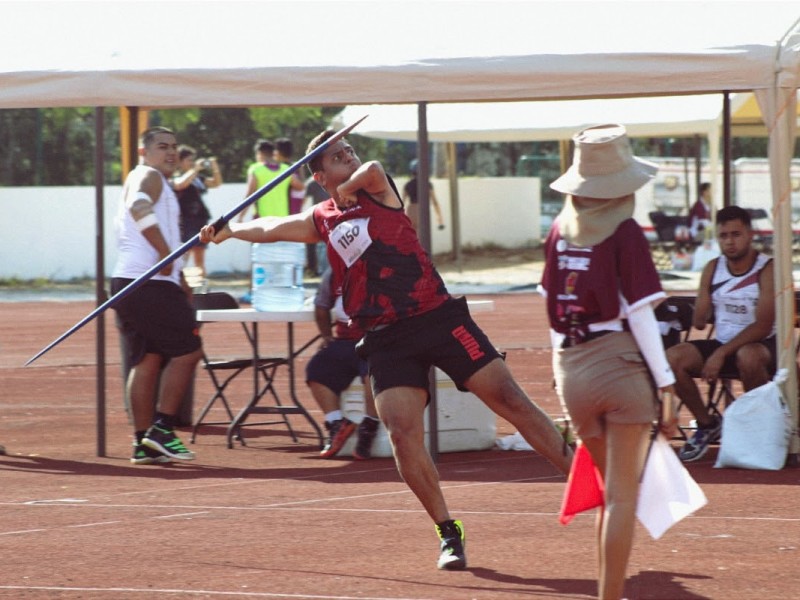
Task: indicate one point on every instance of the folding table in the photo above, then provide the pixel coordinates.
(254, 318)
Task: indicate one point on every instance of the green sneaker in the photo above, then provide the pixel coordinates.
(453, 556)
(165, 441)
(142, 455)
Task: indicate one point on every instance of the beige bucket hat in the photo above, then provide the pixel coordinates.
(604, 165)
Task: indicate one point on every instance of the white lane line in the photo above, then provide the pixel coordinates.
(21, 531)
(293, 507)
(237, 481)
(150, 591)
(93, 524)
(326, 499)
(57, 501)
(101, 523)
(404, 492)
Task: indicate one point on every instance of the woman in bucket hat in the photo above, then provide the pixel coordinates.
(601, 288)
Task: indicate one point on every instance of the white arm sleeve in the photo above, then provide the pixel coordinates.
(644, 328)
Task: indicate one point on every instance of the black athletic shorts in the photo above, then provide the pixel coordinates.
(447, 337)
(156, 319)
(336, 365)
(707, 348)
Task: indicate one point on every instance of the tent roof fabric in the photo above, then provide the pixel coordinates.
(335, 53)
(663, 116)
(537, 121)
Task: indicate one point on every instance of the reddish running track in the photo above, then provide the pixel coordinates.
(271, 520)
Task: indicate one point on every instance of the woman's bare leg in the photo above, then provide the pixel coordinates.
(620, 457)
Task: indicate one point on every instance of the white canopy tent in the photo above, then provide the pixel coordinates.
(315, 53)
(547, 120)
(558, 120)
(337, 53)
(657, 116)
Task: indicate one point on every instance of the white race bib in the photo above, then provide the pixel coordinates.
(350, 239)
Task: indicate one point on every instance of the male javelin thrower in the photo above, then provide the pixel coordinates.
(392, 290)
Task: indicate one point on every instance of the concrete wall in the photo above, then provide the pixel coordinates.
(50, 232)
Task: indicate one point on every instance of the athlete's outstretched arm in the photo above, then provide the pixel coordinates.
(294, 228)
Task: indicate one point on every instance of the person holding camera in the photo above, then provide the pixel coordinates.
(194, 178)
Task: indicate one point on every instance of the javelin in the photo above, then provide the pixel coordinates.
(218, 225)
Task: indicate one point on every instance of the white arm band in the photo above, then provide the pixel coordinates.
(139, 201)
(141, 209)
(644, 328)
(146, 221)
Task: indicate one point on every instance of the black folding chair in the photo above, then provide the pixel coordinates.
(223, 371)
(677, 313)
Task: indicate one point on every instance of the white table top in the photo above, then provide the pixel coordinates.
(251, 315)
(480, 305)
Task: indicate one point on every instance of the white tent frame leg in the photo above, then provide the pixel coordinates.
(779, 106)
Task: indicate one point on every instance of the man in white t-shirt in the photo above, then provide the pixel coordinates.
(737, 290)
(156, 321)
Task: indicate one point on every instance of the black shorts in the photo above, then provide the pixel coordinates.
(155, 319)
(447, 337)
(336, 365)
(707, 348)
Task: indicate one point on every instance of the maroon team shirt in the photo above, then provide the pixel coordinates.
(374, 252)
(699, 211)
(583, 284)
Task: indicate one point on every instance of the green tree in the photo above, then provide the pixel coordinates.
(55, 146)
(222, 132)
(230, 133)
(17, 147)
(68, 146)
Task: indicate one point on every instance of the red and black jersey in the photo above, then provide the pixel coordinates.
(593, 284)
(374, 251)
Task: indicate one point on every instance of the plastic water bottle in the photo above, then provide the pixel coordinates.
(278, 276)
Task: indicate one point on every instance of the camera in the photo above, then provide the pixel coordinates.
(206, 164)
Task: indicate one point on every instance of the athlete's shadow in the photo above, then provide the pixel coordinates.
(349, 471)
(307, 466)
(654, 585)
(535, 585)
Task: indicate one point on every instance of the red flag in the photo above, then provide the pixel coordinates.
(584, 486)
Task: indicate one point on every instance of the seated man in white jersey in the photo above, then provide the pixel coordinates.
(737, 289)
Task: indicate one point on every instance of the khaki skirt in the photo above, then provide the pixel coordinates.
(604, 380)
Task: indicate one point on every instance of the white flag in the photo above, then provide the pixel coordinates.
(667, 493)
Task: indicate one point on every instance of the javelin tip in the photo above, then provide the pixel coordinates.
(35, 356)
(343, 132)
